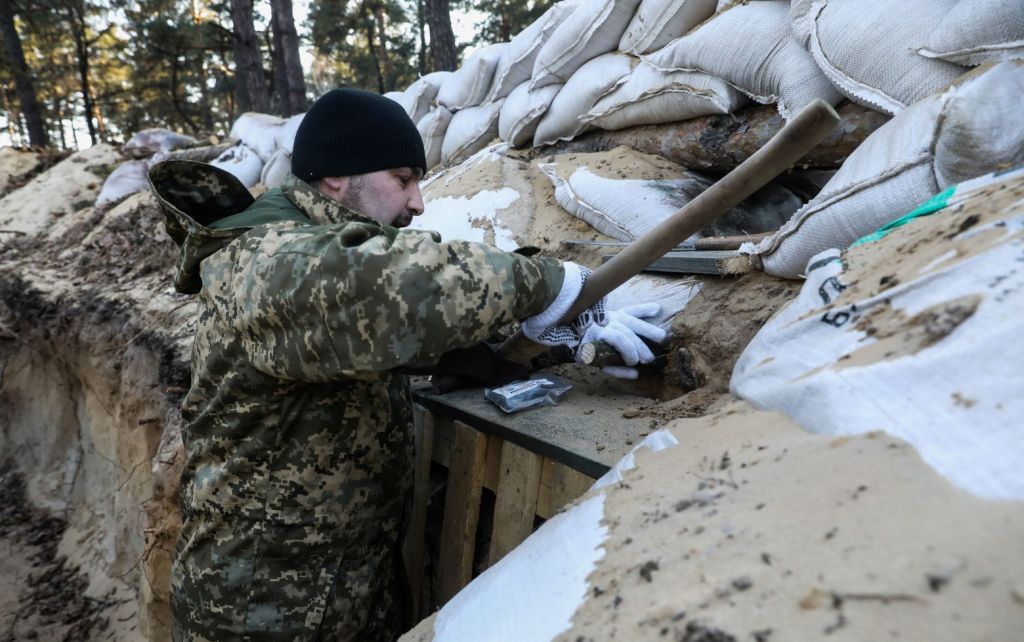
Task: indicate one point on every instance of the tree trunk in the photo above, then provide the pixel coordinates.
(287, 65)
(22, 78)
(250, 85)
(76, 22)
(421, 28)
(443, 55)
(371, 43)
(382, 48)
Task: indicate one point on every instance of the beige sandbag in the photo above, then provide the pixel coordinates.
(650, 96)
(516, 63)
(522, 111)
(147, 142)
(258, 132)
(868, 48)
(285, 137)
(590, 82)
(470, 130)
(967, 131)
(468, 86)
(242, 162)
(761, 59)
(432, 128)
(593, 28)
(277, 168)
(659, 22)
(979, 31)
(418, 98)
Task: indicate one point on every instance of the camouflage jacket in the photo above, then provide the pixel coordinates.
(298, 434)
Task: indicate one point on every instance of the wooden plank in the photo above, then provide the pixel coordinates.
(492, 465)
(559, 485)
(515, 499)
(415, 539)
(444, 438)
(461, 511)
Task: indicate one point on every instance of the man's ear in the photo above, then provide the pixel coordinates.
(334, 186)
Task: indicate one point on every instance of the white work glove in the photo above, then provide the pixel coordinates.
(622, 329)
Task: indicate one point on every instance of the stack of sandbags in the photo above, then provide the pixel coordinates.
(968, 130)
(147, 147)
(155, 140)
(915, 332)
(591, 81)
(263, 153)
(516, 64)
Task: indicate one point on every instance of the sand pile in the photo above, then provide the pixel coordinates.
(15, 164)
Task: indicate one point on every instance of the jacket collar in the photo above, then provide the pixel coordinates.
(319, 208)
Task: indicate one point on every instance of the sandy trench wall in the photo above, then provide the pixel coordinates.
(93, 362)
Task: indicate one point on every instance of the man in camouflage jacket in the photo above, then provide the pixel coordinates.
(298, 431)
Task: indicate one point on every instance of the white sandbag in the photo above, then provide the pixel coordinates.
(285, 138)
(128, 178)
(626, 209)
(419, 97)
(763, 62)
(470, 130)
(516, 64)
(870, 54)
(471, 82)
(522, 111)
(659, 22)
(432, 128)
(650, 96)
(978, 31)
(393, 95)
(258, 132)
(672, 293)
(150, 141)
(593, 28)
(276, 169)
(916, 334)
(590, 82)
(976, 126)
(242, 162)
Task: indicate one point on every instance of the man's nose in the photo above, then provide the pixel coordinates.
(415, 204)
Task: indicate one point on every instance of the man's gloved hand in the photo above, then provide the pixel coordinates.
(623, 329)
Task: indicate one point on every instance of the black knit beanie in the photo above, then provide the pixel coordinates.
(348, 132)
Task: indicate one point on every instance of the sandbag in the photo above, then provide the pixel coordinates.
(277, 168)
(432, 129)
(516, 63)
(471, 82)
(593, 80)
(870, 54)
(659, 22)
(975, 127)
(978, 31)
(626, 209)
(128, 178)
(393, 95)
(763, 61)
(470, 130)
(915, 333)
(418, 98)
(147, 142)
(651, 97)
(242, 162)
(258, 132)
(522, 111)
(593, 28)
(285, 138)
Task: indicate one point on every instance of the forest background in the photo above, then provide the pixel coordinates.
(74, 72)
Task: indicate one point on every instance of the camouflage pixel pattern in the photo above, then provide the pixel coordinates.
(298, 437)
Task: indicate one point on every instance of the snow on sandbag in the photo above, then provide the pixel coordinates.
(626, 209)
(978, 31)
(870, 54)
(432, 129)
(150, 141)
(241, 162)
(687, 532)
(659, 22)
(469, 85)
(650, 96)
(590, 82)
(470, 130)
(593, 28)
(763, 62)
(258, 132)
(129, 177)
(974, 127)
(418, 98)
(285, 138)
(522, 111)
(516, 64)
(913, 332)
(277, 168)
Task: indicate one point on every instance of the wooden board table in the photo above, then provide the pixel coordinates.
(535, 461)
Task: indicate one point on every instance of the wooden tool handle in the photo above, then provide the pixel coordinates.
(794, 140)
